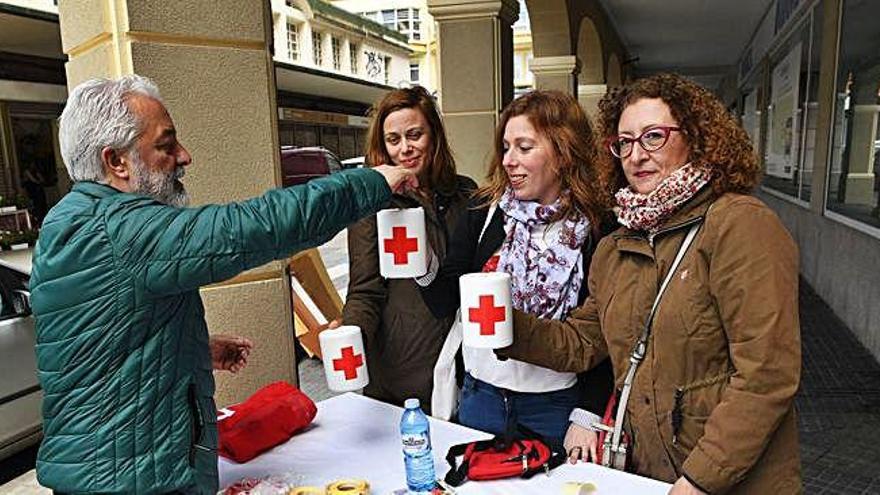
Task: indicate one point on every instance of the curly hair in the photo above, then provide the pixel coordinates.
(439, 172)
(716, 141)
(561, 120)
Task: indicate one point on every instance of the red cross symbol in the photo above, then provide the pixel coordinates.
(487, 315)
(349, 363)
(400, 245)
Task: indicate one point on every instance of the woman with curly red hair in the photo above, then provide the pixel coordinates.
(694, 298)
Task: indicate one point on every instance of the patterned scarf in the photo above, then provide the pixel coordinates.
(545, 283)
(647, 212)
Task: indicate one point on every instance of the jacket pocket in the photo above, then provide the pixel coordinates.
(197, 423)
(693, 403)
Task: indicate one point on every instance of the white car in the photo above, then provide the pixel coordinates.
(20, 393)
(356, 162)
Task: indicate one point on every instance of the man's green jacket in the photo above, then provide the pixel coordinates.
(122, 344)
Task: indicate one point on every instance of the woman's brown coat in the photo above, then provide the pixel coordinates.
(726, 339)
(402, 338)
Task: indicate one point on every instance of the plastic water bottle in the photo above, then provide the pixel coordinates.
(415, 434)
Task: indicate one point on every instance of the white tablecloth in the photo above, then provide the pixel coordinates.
(354, 437)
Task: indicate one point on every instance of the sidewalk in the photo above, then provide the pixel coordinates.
(838, 405)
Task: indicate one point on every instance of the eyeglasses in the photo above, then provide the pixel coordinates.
(651, 140)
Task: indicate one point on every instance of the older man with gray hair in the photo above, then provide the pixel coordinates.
(123, 351)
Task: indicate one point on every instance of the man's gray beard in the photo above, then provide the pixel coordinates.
(163, 187)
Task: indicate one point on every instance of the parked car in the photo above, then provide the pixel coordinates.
(356, 162)
(300, 165)
(20, 393)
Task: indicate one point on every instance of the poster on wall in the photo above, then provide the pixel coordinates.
(782, 125)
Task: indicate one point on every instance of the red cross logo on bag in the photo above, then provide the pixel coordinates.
(487, 315)
(400, 245)
(349, 363)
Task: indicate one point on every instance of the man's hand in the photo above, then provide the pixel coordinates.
(580, 443)
(684, 487)
(399, 179)
(229, 352)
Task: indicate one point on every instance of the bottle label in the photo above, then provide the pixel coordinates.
(415, 443)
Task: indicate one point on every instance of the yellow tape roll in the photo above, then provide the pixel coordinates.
(348, 487)
(307, 490)
(573, 488)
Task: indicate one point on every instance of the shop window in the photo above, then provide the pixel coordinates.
(790, 106)
(854, 172)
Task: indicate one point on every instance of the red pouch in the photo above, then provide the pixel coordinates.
(267, 418)
(500, 458)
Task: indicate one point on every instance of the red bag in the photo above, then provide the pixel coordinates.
(267, 418)
(502, 458)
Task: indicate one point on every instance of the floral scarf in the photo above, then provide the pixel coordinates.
(647, 212)
(547, 282)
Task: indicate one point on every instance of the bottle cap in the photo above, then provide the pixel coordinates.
(411, 403)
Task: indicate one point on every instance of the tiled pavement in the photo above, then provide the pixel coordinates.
(838, 405)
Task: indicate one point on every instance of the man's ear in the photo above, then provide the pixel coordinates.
(116, 165)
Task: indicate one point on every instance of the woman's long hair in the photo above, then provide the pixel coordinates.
(561, 120)
(439, 172)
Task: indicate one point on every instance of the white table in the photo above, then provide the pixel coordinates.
(354, 437)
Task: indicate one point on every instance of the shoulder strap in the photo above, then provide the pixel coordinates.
(489, 215)
(638, 352)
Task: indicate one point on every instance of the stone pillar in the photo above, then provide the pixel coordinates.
(216, 75)
(589, 95)
(559, 73)
(475, 44)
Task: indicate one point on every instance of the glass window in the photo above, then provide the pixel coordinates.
(292, 41)
(417, 29)
(353, 58)
(388, 17)
(336, 49)
(791, 111)
(317, 49)
(403, 13)
(414, 72)
(854, 175)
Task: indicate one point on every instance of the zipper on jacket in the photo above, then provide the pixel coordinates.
(197, 423)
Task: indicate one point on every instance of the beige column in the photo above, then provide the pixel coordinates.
(589, 95)
(559, 73)
(217, 79)
(475, 45)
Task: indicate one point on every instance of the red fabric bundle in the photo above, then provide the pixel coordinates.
(267, 418)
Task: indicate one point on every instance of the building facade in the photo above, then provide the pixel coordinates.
(412, 19)
(331, 66)
(807, 88)
(32, 94)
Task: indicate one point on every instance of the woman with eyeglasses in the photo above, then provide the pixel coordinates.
(710, 405)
